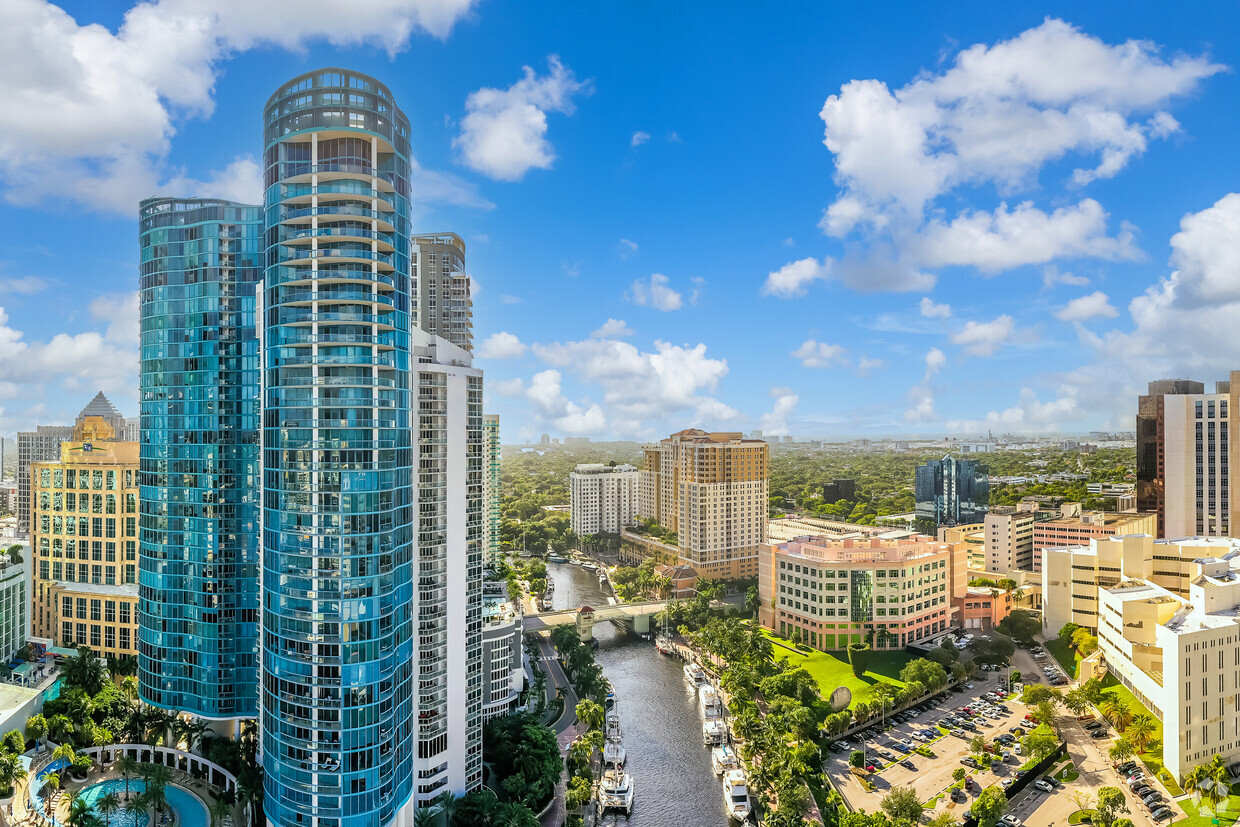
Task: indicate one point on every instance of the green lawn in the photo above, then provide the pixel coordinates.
(1065, 653)
(831, 669)
(1152, 757)
(1226, 815)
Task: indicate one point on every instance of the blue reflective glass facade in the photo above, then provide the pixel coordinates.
(198, 541)
(338, 720)
(951, 492)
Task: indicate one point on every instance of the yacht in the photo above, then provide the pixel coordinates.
(713, 731)
(588, 566)
(615, 791)
(736, 794)
(722, 759)
(664, 645)
(556, 558)
(613, 747)
(709, 702)
(695, 674)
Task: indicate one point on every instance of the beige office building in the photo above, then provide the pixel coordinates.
(1009, 542)
(1075, 527)
(83, 538)
(711, 489)
(1072, 577)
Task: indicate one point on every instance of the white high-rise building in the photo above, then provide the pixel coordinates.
(604, 497)
(1195, 465)
(493, 489)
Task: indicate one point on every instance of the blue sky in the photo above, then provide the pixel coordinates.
(1019, 216)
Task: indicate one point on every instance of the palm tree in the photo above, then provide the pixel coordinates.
(1210, 781)
(590, 713)
(1117, 712)
(424, 816)
(108, 805)
(79, 809)
(1123, 749)
(1141, 730)
(447, 807)
(126, 766)
(11, 771)
(65, 753)
(219, 810)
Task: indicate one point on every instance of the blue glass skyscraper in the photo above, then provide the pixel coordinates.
(198, 529)
(951, 492)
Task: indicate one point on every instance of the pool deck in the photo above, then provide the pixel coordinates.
(18, 813)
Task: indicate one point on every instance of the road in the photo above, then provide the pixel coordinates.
(565, 727)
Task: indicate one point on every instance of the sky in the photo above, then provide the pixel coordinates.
(824, 220)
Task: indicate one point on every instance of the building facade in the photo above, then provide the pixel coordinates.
(604, 498)
(1009, 542)
(442, 302)
(837, 592)
(951, 492)
(199, 458)
(40, 445)
(372, 468)
(502, 670)
(14, 606)
(84, 542)
(712, 490)
(493, 488)
(1074, 527)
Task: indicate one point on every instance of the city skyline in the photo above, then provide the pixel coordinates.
(619, 237)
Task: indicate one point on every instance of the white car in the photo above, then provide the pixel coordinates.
(1043, 786)
(1016, 748)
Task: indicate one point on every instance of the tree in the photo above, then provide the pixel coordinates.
(1122, 750)
(903, 803)
(944, 819)
(1035, 694)
(85, 670)
(1117, 712)
(989, 806)
(590, 713)
(36, 728)
(1076, 702)
(926, 672)
(1044, 711)
(859, 657)
(1110, 804)
(856, 759)
(977, 744)
(1084, 642)
(126, 766)
(1068, 630)
(108, 805)
(958, 774)
(1141, 730)
(1209, 780)
(11, 771)
(1020, 625)
(1040, 743)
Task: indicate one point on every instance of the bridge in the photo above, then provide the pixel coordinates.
(585, 617)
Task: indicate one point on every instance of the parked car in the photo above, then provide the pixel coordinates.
(958, 732)
(1098, 733)
(1017, 748)
(1043, 786)
(968, 725)
(958, 795)
(1093, 723)
(1161, 813)
(969, 761)
(1011, 821)
(907, 763)
(968, 782)
(1007, 782)
(1007, 756)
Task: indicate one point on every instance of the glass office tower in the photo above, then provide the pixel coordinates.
(338, 708)
(198, 458)
(951, 492)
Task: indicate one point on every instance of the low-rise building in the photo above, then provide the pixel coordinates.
(1179, 654)
(604, 497)
(839, 591)
(683, 579)
(1075, 527)
(1071, 577)
(973, 537)
(503, 676)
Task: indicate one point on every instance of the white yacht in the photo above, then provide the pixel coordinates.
(613, 747)
(709, 701)
(722, 759)
(588, 566)
(694, 674)
(713, 732)
(615, 791)
(736, 794)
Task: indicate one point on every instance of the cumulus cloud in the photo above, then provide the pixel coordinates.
(921, 395)
(814, 354)
(554, 408)
(931, 310)
(775, 423)
(866, 364)
(935, 360)
(1206, 254)
(1082, 309)
(793, 278)
(501, 345)
(90, 113)
(1051, 276)
(612, 329)
(506, 387)
(655, 292)
(639, 138)
(984, 338)
(627, 248)
(504, 131)
(997, 116)
(1029, 415)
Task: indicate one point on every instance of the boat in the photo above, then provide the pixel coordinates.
(736, 794)
(615, 791)
(722, 759)
(695, 674)
(544, 604)
(555, 558)
(663, 643)
(709, 702)
(589, 566)
(713, 732)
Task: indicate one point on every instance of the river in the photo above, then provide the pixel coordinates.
(673, 781)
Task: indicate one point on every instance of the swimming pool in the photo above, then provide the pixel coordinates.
(189, 809)
(53, 691)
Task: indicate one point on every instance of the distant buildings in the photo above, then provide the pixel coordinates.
(604, 497)
(840, 489)
(951, 492)
(837, 592)
(711, 489)
(493, 489)
(1185, 456)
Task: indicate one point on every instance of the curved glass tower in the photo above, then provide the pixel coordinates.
(198, 549)
(338, 719)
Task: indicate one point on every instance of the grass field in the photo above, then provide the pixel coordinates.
(1152, 757)
(1065, 653)
(1226, 815)
(831, 669)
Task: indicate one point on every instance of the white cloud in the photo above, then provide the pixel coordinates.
(788, 242)
(506, 387)
(698, 283)
(612, 329)
(793, 278)
(931, 310)
(1051, 276)
(22, 285)
(775, 423)
(881, 267)
(1094, 306)
(814, 354)
(501, 345)
(921, 395)
(1029, 415)
(553, 408)
(1206, 254)
(645, 391)
(984, 338)
(627, 248)
(120, 311)
(507, 299)
(935, 360)
(656, 293)
(639, 138)
(89, 113)
(504, 131)
(865, 364)
(997, 116)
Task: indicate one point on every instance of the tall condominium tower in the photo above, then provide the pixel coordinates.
(1186, 449)
(604, 497)
(442, 303)
(200, 262)
(711, 489)
(372, 473)
(494, 487)
(951, 492)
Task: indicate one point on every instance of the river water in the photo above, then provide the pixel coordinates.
(673, 781)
